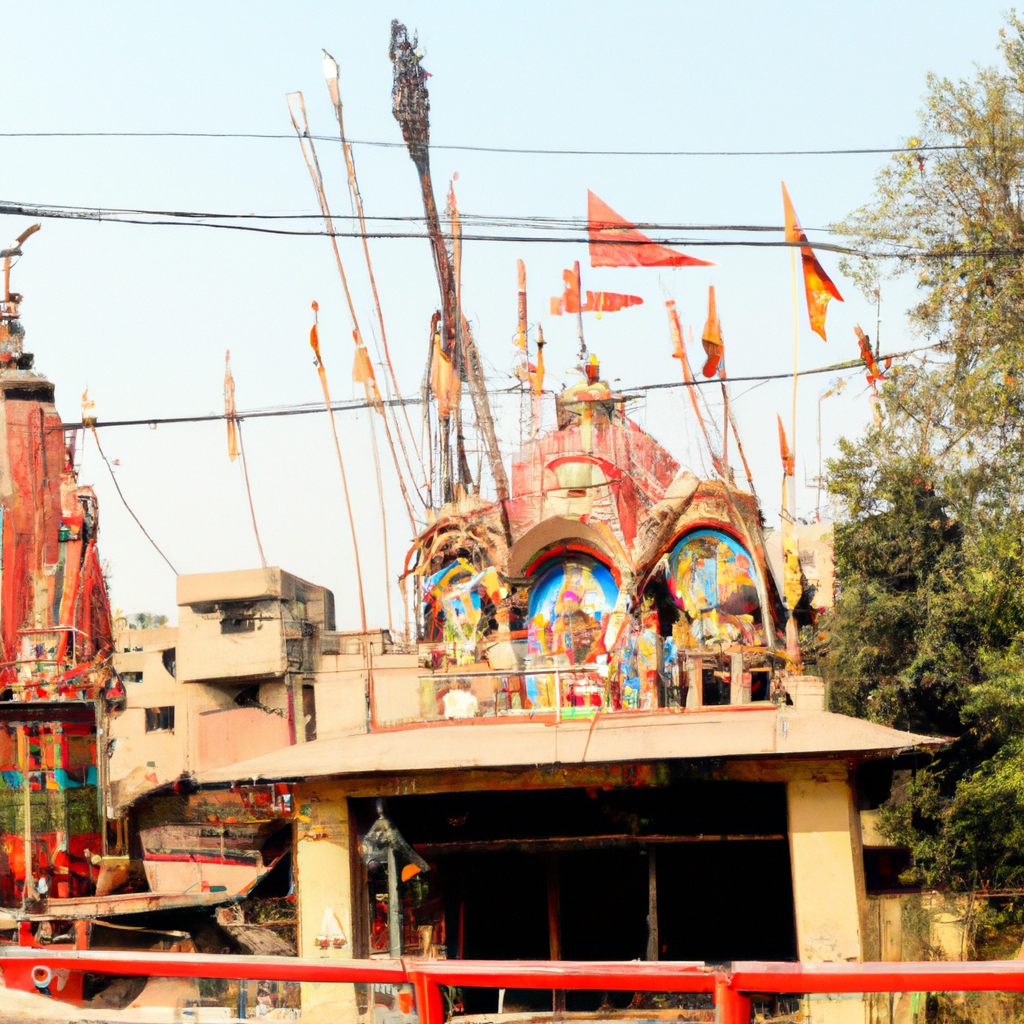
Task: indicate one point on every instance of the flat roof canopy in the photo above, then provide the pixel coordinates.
(762, 731)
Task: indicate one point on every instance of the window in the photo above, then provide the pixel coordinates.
(160, 719)
(309, 712)
(237, 623)
(131, 677)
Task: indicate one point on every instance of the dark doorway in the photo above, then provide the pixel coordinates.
(503, 859)
(496, 909)
(725, 901)
(603, 903)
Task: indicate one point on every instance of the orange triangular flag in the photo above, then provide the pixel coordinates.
(712, 336)
(788, 461)
(596, 302)
(615, 242)
(362, 372)
(817, 284)
(874, 373)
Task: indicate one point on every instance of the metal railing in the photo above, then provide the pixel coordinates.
(731, 985)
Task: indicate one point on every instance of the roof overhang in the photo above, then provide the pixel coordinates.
(751, 731)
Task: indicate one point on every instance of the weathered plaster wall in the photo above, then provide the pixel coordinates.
(827, 886)
(323, 879)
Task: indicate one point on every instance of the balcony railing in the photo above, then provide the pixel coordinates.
(733, 986)
(402, 698)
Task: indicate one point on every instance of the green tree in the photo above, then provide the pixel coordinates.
(928, 632)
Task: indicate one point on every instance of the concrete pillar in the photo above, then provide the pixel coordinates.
(824, 843)
(807, 692)
(739, 690)
(323, 880)
(694, 670)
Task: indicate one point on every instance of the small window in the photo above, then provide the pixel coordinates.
(309, 712)
(237, 624)
(160, 719)
(131, 677)
(883, 866)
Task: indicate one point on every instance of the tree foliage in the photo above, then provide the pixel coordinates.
(928, 633)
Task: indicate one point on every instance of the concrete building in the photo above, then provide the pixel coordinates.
(598, 749)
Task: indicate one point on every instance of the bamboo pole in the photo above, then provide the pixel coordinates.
(314, 341)
(313, 165)
(331, 74)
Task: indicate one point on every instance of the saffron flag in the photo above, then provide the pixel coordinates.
(314, 334)
(444, 381)
(788, 461)
(362, 372)
(874, 373)
(712, 337)
(229, 408)
(817, 284)
(596, 302)
(615, 242)
(792, 580)
(538, 370)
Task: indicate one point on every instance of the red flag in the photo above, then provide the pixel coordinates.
(874, 373)
(712, 337)
(615, 242)
(788, 461)
(597, 302)
(609, 302)
(817, 283)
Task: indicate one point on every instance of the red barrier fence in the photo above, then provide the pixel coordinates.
(732, 985)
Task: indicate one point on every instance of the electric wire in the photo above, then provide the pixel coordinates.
(911, 254)
(124, 500)
(627, 394)
(526, 151)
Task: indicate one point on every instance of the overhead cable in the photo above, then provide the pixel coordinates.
(526, 151)
(108, 217)
(355, 406)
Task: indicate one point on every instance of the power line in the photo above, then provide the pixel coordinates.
(124, 501)
(354, 406)
(194, 220)
(863, 151)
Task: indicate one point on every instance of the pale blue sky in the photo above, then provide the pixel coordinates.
(142, 316)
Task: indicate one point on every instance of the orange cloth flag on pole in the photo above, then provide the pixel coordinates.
(712, 336)
(596, 302)
(817, 283)
(615, 242)
(788, 461)
(229, 408)
(874, 373)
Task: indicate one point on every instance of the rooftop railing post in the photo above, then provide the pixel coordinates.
(429, 1004)
(731, 1007)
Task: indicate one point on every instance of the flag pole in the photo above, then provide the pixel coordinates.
(248, 491)
(677, 341)
(314, 340)
(796, 378)
(789, 522)
(296, 104)
(331, 74)
(579, 312)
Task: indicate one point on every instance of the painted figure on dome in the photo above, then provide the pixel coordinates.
(711, 579)
(569, 607)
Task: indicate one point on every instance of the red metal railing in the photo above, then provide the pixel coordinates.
(732, 985)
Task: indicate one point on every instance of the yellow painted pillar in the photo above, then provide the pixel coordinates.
(824, 844)
(323, 887)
